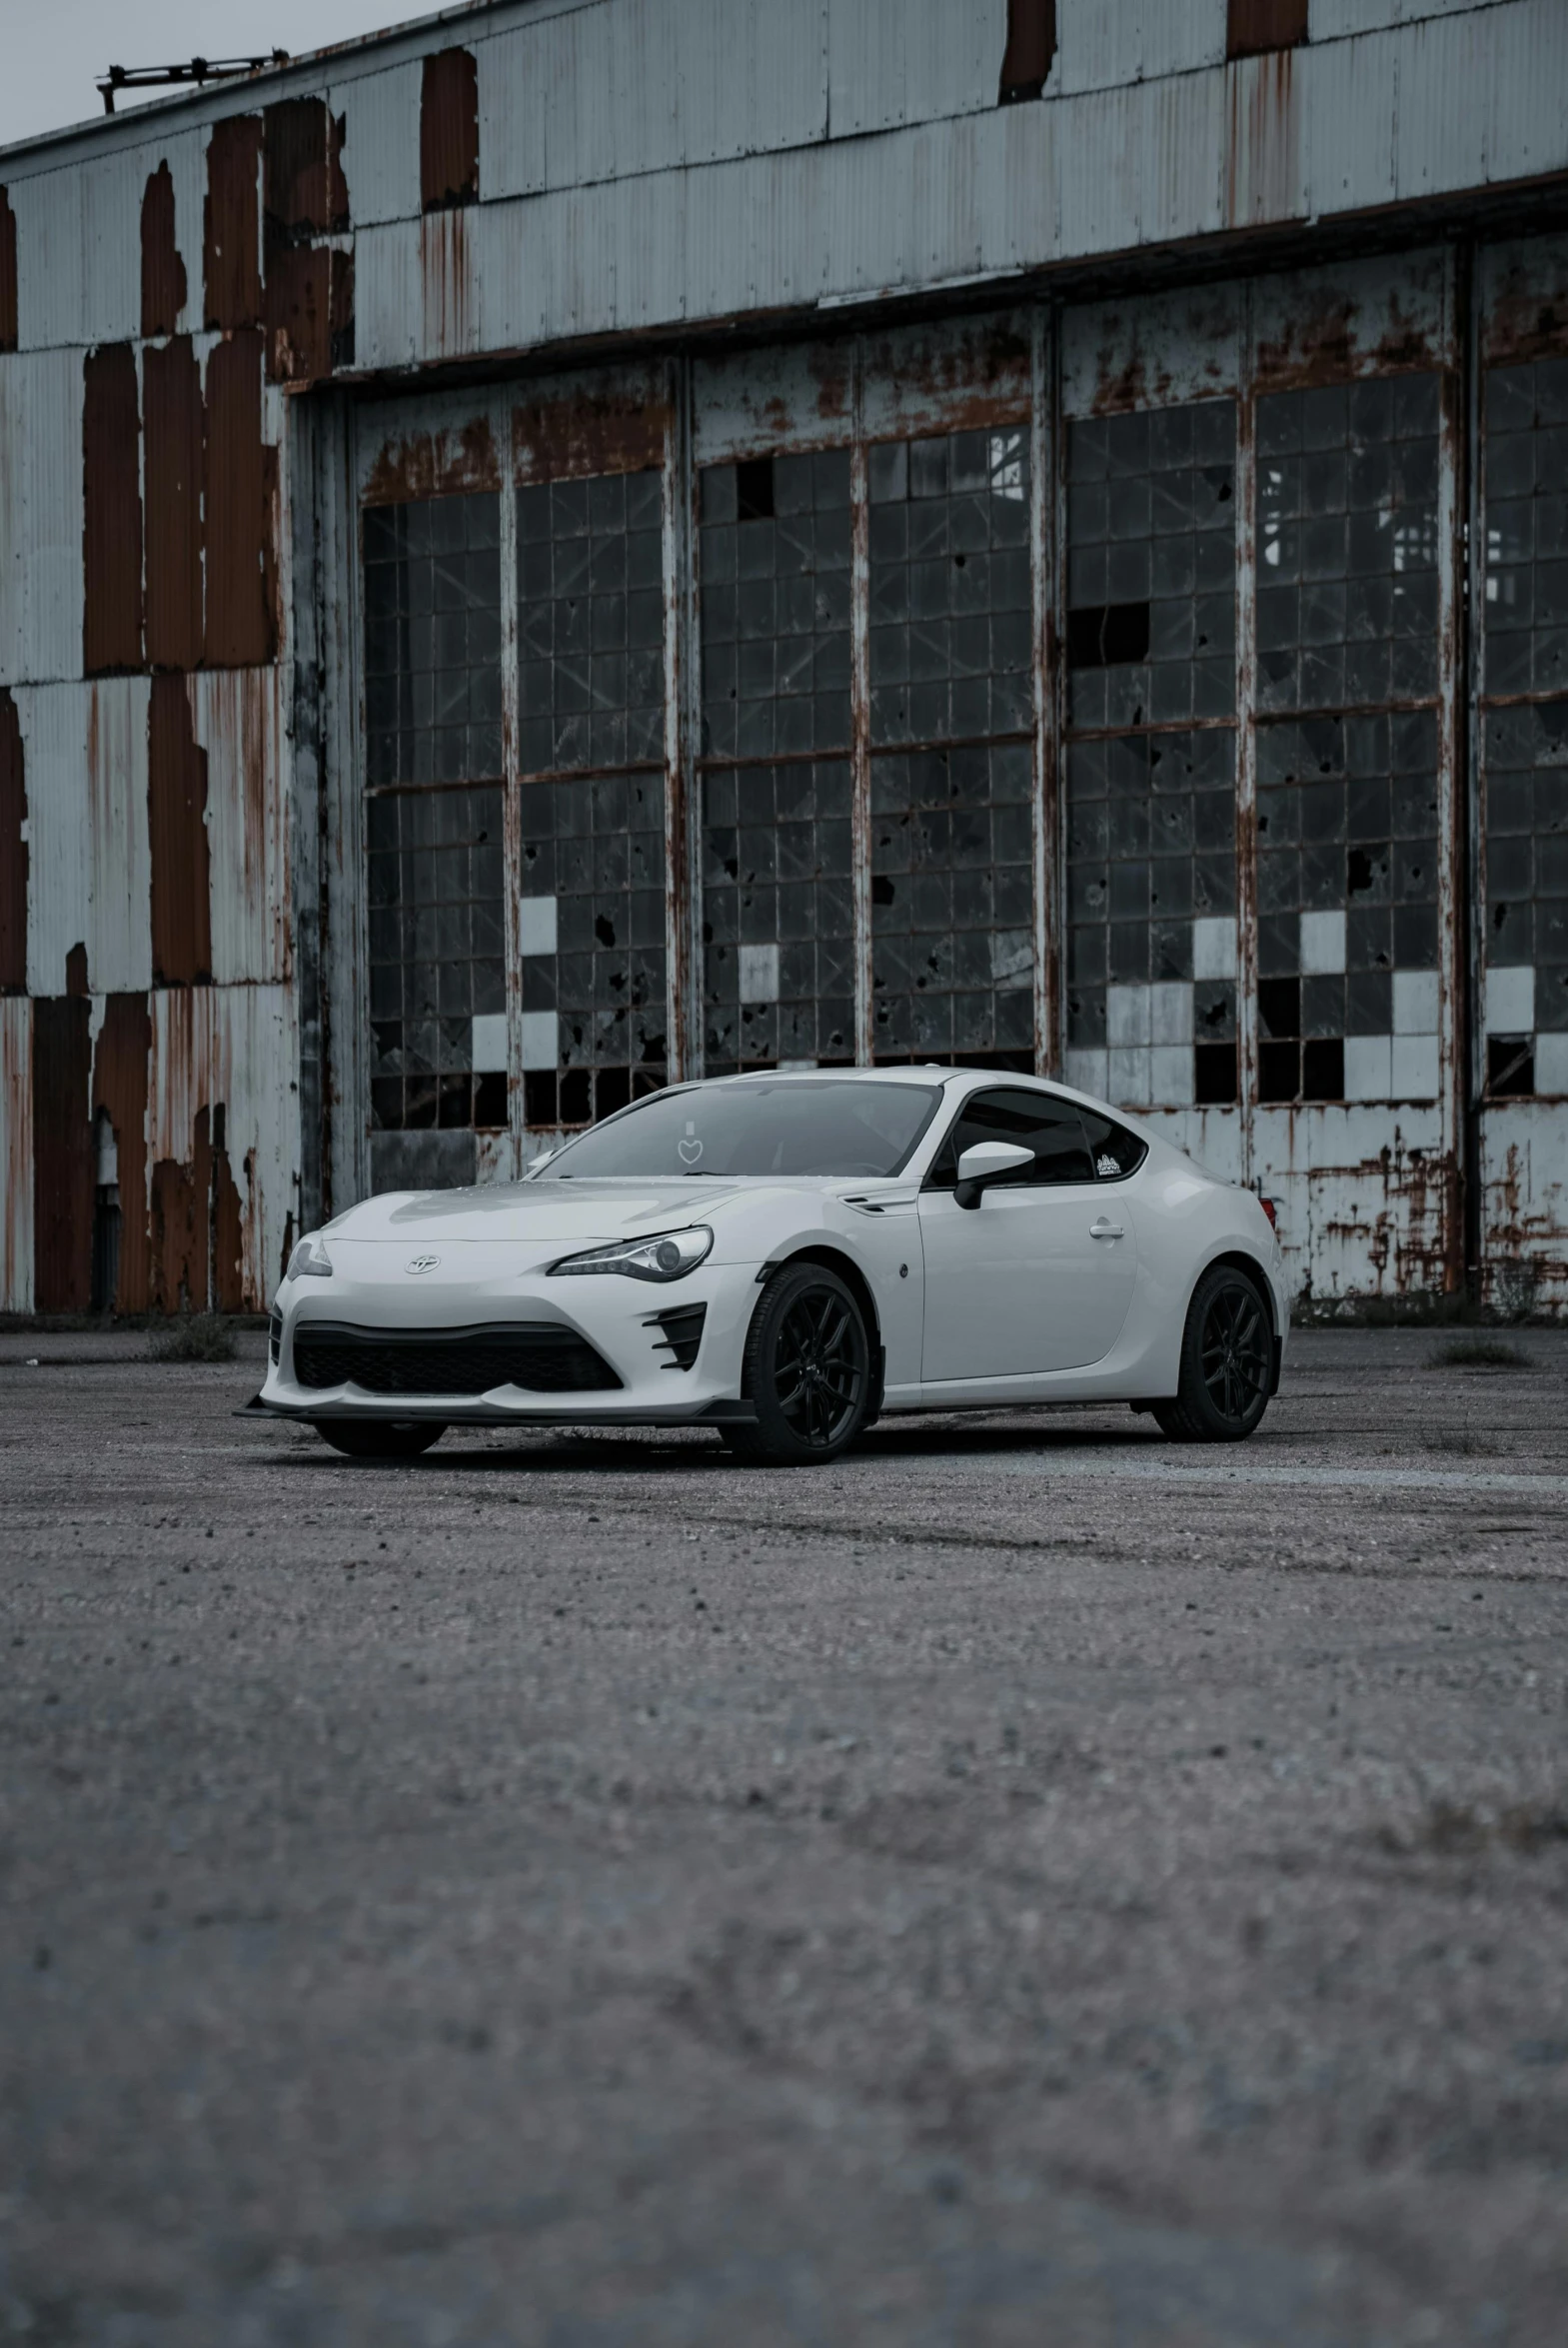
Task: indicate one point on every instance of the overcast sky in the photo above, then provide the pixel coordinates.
(54, 50)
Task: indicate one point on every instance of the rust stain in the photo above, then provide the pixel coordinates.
(1323, 344)
(172, 396)
(111, 513)
(182, 1225)
(1524, 1254)
(337, 184)
(62, 1153)
(120, 1092)
(299, 313)
(8, 318)
(340, 311)
(1030, 51)
(571, 439)
(445, 282)
(163, 272)
(13, 850)
(231, 243)
(1262, 147)
(958, 383)
(309, 289)
(176, 816)
(1523, 323)
(435, 464)
(241, 627)
(297, 169)
(228, 1224)
(449, 130)
(76, 980)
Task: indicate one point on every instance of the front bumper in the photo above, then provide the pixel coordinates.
(618, 1318)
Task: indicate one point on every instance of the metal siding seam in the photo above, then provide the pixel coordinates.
(1044, 534)
(234, 721)
(861, 716)
(1451, 767)
(511, 797)
(1246, 744)
(16, 1168)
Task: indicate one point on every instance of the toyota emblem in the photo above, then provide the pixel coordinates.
(422, 1264)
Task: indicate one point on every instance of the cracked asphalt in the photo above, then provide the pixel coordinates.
(1027, 1883)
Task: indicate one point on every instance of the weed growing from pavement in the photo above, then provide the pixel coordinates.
(195, 1337)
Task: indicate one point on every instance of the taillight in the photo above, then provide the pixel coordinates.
(1271, 1210)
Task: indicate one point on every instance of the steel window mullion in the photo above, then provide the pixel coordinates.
(1246, 742)
(861, 714)
(512, 793)
(1045, 539)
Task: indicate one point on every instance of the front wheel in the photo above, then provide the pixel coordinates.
(808, 1370)
(379, 1438)
(1227, 1361)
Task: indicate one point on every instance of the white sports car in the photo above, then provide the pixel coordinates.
(787, 1257)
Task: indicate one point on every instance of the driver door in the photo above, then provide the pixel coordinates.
(1038, 1276)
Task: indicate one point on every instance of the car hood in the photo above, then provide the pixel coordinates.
(557, 1212)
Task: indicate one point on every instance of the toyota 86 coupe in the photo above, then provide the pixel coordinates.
(787, 1256)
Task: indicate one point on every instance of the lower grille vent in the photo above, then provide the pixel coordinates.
(536, 1355)
(681, 1329)
(274, 1337)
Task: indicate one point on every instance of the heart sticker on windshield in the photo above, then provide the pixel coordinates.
(689, 1151)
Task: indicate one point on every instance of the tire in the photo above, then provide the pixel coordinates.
(1227, 1362)
(806, 1368)
(379, 1438)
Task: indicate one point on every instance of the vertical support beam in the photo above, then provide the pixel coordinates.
(512, 789)
(343, 935)
(860, 712)
(1458, 765)
(1471, 1056)
(1045, 538)
(683, 808)
(1247, 740)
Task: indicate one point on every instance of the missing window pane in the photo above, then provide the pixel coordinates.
(1108, 635)
(753, 481)
(1510, 1066)
(1215, 1075)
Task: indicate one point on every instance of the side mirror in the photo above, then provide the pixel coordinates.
(988, 1162)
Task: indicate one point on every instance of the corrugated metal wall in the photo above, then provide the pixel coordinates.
(213, 550)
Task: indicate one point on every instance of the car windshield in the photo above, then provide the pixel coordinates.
(827, 1126)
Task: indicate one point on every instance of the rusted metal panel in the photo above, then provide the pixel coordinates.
(121, 1049)
(172, 398)
(1332, 325)
(445, 462)
(62, 1168)
(240, 619)
(446, 281)
(303, 188)
(236, 720)
(111, 511)
(7, 274)
(1164, 351)
(231, 249)
(163, 272)
(221, 1110)
(13, 850)
(449, 130)
(1255, 27)
(1365, 1199)
(177, 829)
(801, 396)
(1524, 1154)
(115, 850)
(1031, 49)
(16, 1154)
(308, 285)
(960, 378)
(613, 427)
(299, 312)
(1523, 289)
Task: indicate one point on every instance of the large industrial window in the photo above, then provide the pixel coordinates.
(778, 907)
(1525, 981)
(951, 736)
(1347, 611)
(590, 704)
(1150, 761)
(434, 767)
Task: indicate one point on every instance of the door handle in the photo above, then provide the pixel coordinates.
(1106, 1231)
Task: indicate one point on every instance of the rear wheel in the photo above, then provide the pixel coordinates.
(808, 1370)
(379, 1438)
(1227, 1361)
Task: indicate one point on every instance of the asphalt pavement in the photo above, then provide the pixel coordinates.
(1028, 1883)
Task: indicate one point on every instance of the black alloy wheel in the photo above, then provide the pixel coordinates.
(807, 1371)
(1227, 1361)
(379, 1438)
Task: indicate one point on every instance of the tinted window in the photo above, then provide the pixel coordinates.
(1053, 1130)
(1114, 1151)
(832, 1127)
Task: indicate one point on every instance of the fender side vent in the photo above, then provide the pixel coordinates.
(680, 1330)
(274, 1337)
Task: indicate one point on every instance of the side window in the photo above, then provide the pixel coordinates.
(1115, 1151)
(1053, 1130)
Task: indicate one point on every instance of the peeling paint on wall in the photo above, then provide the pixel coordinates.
(240, 621)
(449, 130)
(111, 511)
(171, 392)
(231, 246)
(163, 272)
(177, 828)
(13, 850)
(120, 1059)
(62, 1153)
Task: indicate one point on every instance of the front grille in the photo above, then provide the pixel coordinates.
(537, 1355)
(680, 1331)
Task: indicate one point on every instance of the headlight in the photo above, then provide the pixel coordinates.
(310, 1261)
(669, 1256)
